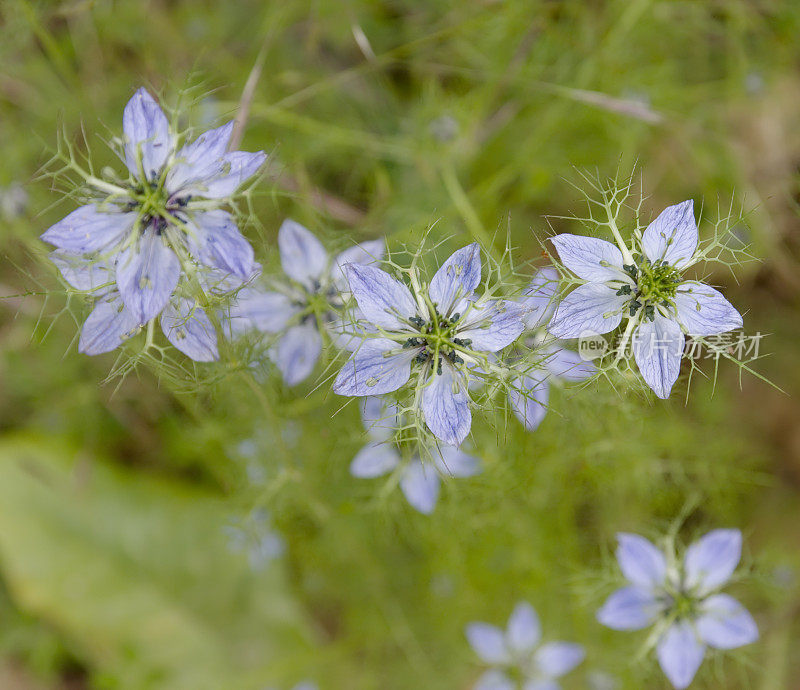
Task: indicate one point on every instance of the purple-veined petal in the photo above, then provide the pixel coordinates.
(237, 167)
(83, 274)
(569, 365)
(146, 134)
(454, 462)
(492, 326)
(200, 160)
(365, 253)
(702, 310)
(107, 327)
(672, 236)
(680, 654)
(657, 349)
(457, 278)
(489, 643)
(215, 241)
(590, 258)
(87, 230)
(379, 366)
(147, 274)
(538, 299)
(268, 312)
(529, 400)
(724, 623)
(541, 684)
(380, 417)
(383, 300)
(711, 560)
(374, 460)
(589, 309)
(297, 352)
(445, 404)
(554, 659)
(303, 257)
(640, 561)
(629, 608)
(190, 330)
(524, 630)
(494, 679)
(420, 485)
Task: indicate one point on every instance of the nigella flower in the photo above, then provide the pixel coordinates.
(646, 289)
(437, 334)
(516, 655)
(681, 599)
(304, 304)
(530, 393)
(185, 324)
(167, 217)
(419, 482)
(256, 539)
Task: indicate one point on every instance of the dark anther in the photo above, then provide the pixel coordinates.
(624, 290)
(634, 305)
(650, 312)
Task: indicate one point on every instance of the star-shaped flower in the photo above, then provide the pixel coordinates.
(518, 658)
(645, 289)
(681, 599)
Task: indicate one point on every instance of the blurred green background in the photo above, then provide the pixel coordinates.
(127, 506)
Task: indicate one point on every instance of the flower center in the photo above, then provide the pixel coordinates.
(154, 204)
(655, 283)
(437, 339)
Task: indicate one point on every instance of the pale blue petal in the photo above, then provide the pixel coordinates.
(366, 253)
(303, 257)
(200, 160)
(540, 684)
(268, 312)
(451, 461)
(87, 230)
(493, 326)
(711, 560)
(147, 275)
(238, 167)
(554, 659)
(380, 417)
(147, 133)
(657, 349)
(590, 258)
(524, 630)
(457, 278)
(445, 404)
(702, 310)
(529, 400)
(672, 237)
(297, 352)
(629, 608)
(680, 654)
(83, 274)
(494, 679)
(107, 327)
(217, 242)
(190, 330)
(489, 643)
(379, 366)
(420, 484)
(569, 365)
(725, 624)
(538, 299)
(591, 309)
(383, 300)
(374, 460)
(640, 561)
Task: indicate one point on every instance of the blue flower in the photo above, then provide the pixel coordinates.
(530, 393)
(647, 290)
(317, 287)
(438, 333)
(167, 217)
(419, 482)
(185, 324)
(256, 539)
(516, 655)
(681, 599)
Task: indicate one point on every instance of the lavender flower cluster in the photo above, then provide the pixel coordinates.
(164, 243)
